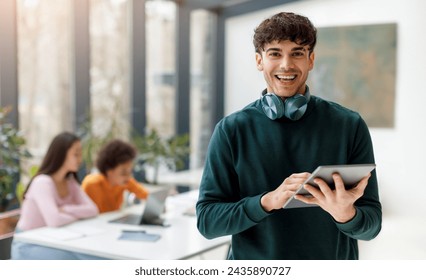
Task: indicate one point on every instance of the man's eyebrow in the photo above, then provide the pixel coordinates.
(298, 49)
(273, 49)
(301, 48)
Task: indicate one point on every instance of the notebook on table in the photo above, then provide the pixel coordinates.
(152, 211)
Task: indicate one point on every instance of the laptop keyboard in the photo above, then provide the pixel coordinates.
(128, 219)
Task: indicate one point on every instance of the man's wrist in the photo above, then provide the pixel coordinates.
(265, 202)
(346, 216)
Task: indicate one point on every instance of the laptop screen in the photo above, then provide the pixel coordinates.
(152, 211)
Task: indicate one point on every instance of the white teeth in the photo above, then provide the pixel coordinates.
(286, 77)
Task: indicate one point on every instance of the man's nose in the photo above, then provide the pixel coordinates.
(287, 63)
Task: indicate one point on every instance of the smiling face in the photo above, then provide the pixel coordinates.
(285, 67)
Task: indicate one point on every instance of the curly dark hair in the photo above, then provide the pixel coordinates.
(285, 26)
(113, 154)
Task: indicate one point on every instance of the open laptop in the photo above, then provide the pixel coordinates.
(153, 209)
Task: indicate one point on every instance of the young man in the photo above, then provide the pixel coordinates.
(259, 156)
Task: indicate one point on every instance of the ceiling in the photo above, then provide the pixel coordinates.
(212, 4)
(231, 7)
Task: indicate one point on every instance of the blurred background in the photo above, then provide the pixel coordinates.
(112, 68)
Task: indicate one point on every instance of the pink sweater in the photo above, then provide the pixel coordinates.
(44, 207)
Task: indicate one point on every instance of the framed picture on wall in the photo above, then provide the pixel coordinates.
(356, 66)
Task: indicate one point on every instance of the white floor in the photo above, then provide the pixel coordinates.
(401, 238)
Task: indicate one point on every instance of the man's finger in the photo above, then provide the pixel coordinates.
(324, 187)
(338, 183)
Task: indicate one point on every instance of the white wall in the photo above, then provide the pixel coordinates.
(400, 151)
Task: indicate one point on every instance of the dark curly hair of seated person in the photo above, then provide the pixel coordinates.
(113, 154)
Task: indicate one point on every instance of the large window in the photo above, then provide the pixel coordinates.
(109, 72)
(45, 71)
(160, 40)
(44, 52)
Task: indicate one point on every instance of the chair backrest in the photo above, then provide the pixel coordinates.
(8, 221)
(5, 245)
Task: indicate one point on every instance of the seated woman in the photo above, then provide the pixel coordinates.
(115, 164)
(54, 198)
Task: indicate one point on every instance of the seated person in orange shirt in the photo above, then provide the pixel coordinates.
(115, 164)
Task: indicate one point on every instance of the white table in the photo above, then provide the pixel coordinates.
(98, 237)
(190, 177)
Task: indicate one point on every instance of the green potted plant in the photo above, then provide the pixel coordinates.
(155, 151)
(12, 150)
(91, 143)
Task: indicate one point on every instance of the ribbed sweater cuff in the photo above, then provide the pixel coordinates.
(254, 209)
(352, 224)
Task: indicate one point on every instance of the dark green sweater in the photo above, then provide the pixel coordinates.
(250, 155)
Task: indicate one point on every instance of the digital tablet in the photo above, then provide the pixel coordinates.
(351, 174)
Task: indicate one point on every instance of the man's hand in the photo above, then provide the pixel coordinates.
(339, 203)
(277, 198)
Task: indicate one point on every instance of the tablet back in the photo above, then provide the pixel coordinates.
(350, 173)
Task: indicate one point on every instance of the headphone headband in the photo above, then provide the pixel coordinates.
(293, 107)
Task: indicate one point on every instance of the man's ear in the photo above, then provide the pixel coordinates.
(311, 60)
(259, 62)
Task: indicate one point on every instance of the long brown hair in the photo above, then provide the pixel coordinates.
(56, 155)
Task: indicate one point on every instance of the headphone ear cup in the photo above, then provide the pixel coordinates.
(295, 107)
(272, 106)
